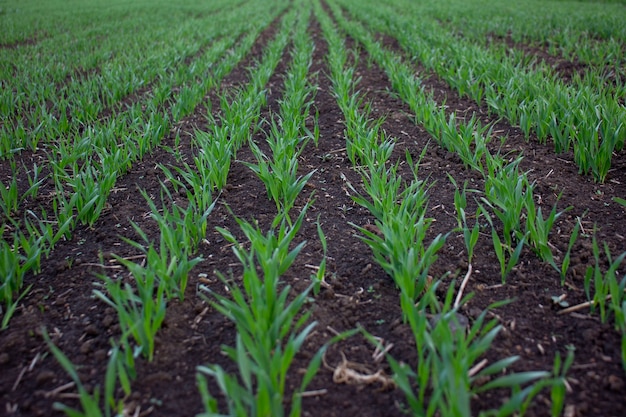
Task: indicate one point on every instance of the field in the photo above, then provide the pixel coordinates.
(312, 207)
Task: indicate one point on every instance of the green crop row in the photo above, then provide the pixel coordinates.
(589, 122)
(81, 189)
(508, 194)
(287, 135)
(446, 376)
(591, 33)
(37, 110)
(270, 329)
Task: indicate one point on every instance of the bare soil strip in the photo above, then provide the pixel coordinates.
(33, 40)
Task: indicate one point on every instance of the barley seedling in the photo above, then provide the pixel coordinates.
(90, 189)
(468, 140)
(186, 102)
(538, 229)
(117, 371)
(470, 236)
(397, 240)
(10, 304)
(11, 198)
(216, 151)
(172, 269)
(150, 134)
(280, 172)
(197, 183)
(240, 113)
(270, 329)
(121, 367)
(64, 213)
(507, 265)
(46, 228)
(320, 275)
(507, 256)
(616, 286)
(16, 259)
(142, 313)
(182, 230)
(383, 187)
(448, 371)
(366, 143)
(596, 151)
(566, 259)
(562, 137)
(315, 135)
(32, 246)
(505, 193)
(605, 285)
(558, 384)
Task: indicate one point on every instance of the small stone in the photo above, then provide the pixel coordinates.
(461, 322)
(100, 354)
(4, 358)
(616, 383)
(86, 346)
(108, 320)
(329, 293)
(475, 312)
(92, 330)
(157, 377)
(590, 335)
(44, 377)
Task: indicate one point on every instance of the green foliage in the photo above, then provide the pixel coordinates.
(270, 328)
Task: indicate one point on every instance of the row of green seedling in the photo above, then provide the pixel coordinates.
(77, 45)
(508, 192)
(169, 76)
(73, 168)
(445, 375)
(161, 276)
(591, 34)
(509, 198)
(509, 195)
(81, 189)
(270, 329)
(589, 122)
(141, 304)
(227, 132)
(288, 136)
(51, 112)
(68, 157)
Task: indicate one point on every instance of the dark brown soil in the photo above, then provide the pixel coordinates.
(563, 67)
(61, 298)
(33, 40)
